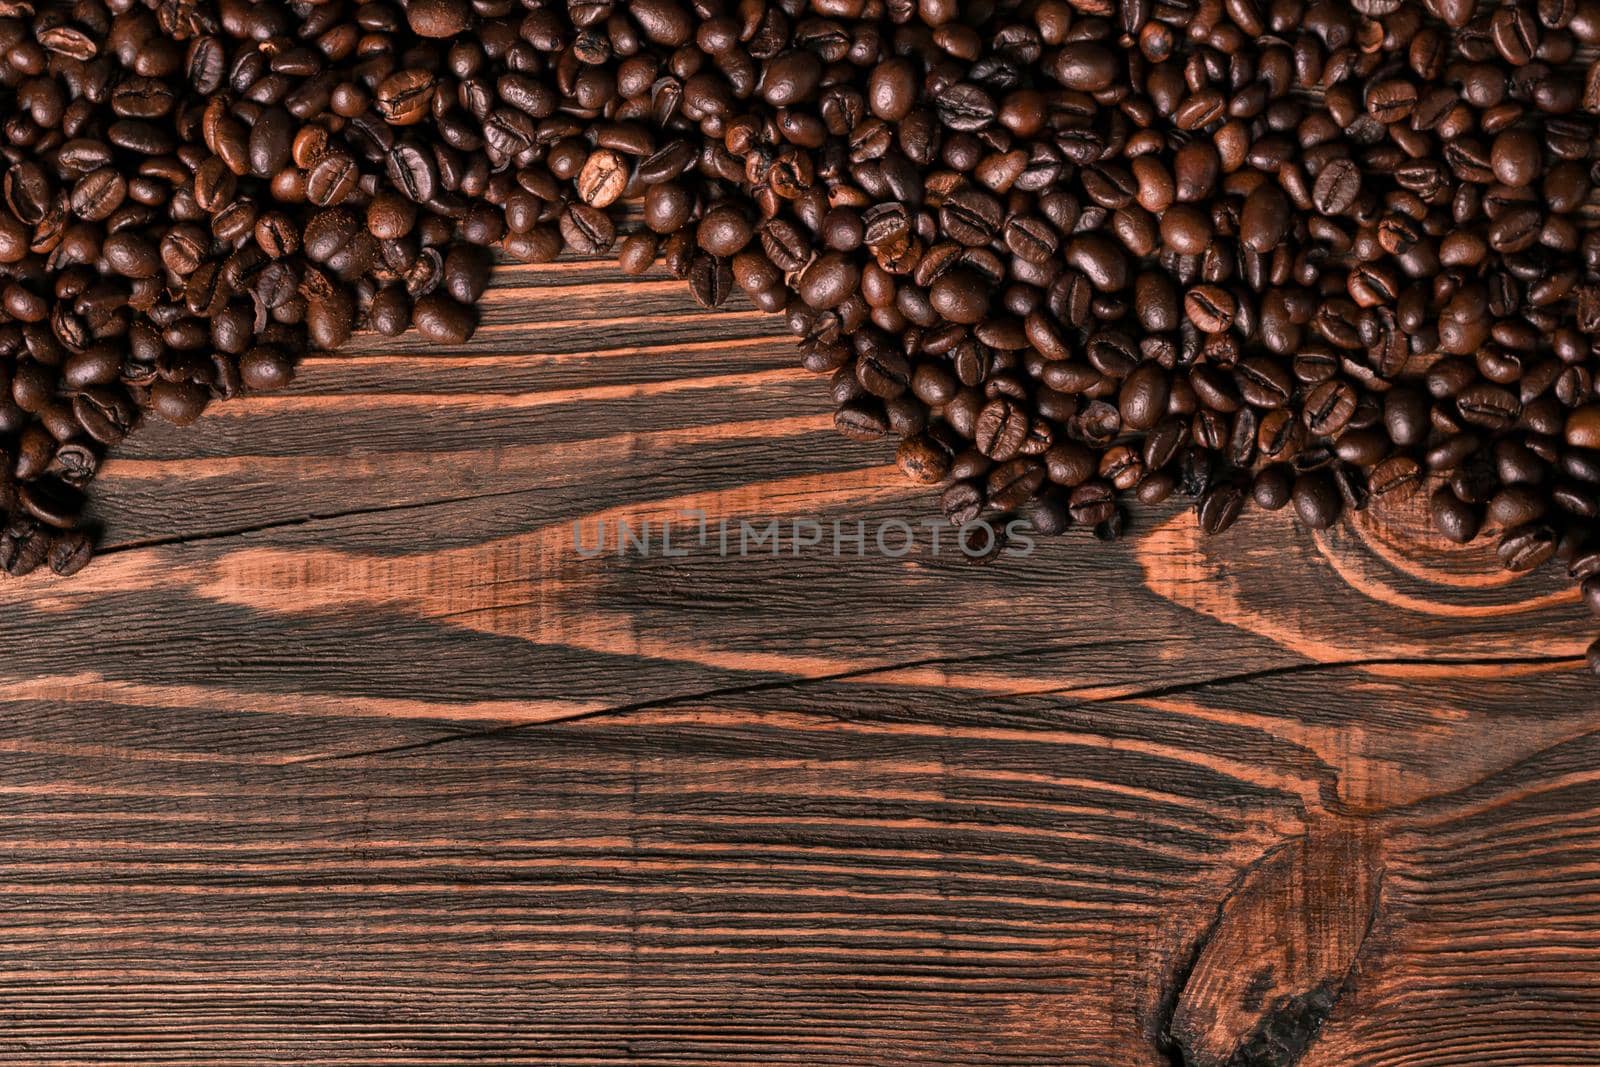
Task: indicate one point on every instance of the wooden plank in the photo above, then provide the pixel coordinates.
(344, 753)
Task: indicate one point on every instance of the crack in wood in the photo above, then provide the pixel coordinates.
(686, 698)
(1177, 688)
(675, 700)
(303, 520)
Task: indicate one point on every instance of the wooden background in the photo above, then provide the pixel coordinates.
(342, 754)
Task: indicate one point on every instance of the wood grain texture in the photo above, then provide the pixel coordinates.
(344, 754)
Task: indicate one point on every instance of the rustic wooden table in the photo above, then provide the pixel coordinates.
(343, 754)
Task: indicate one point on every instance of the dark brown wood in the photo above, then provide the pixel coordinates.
(344, 754)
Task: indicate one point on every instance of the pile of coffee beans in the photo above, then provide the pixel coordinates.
(1302, 253)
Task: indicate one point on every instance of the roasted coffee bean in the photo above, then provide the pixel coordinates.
(710, 280)
(1092, 503)
(105, 413)
(1396, 478)
(1337, 187)
(922, 460)
(1457, 520)
(69, 552)
(466, 272)
(971, 216)
(1329, 407)
(1317, 500)
(1527, 547)
(603, 178)
(441, 319)
(1210, 307)
(1220, 507)
(1265, 219)
(1272, 487)
(178, 402)
(263, 369)
(1144, 396)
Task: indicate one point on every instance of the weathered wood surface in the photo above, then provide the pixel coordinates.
(342, 754)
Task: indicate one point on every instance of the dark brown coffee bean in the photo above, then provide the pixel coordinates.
(861, 421)
(1490, 406)
(69, 552)
(971, 216)
(440, 319)
(179, 403)
(1210, 307)
(263, 369)
(1329, 407)
(1337, 187)
(1317, 500)
(1273, 487)
(1143, 398)
(1001, 429)
(466, 272)
(1396, 478)
(1220, 507)
(333, 180)
(1515, 34)
(922, 460)
(1092, 503)
(1265, 219)
(1456, 520)
(105, 413)
(710, 280)
(1526, 547)
(959, 295)
(587, 230)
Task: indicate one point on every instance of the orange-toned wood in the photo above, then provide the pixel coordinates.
(343, 754)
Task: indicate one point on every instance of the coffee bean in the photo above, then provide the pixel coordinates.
(1489, 406)
(724, 231)
(603, 178)
(1144, 396)
(962, 502)
(1001, 429)
(264, 369)
(1456, 520)
(405, 97)
(971, 216)
(922, 460)
(710, 280)
(1526, 547)
(332, 180)
(105, 413)
(413, 172)
(443, 320)
(1272, 487)
(1092, 503)
(439, 18)
(1329, 407)
(69, 552)
(1220, 507)
(587, 230)
(1265, 219)
(1337, 187)
(1210, 307)
(892, 89)
(1317, 500)
(1583, 427)
(959, 295)
(179, 403)
(829, 281)
(1515, 34)
(1395, 478)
